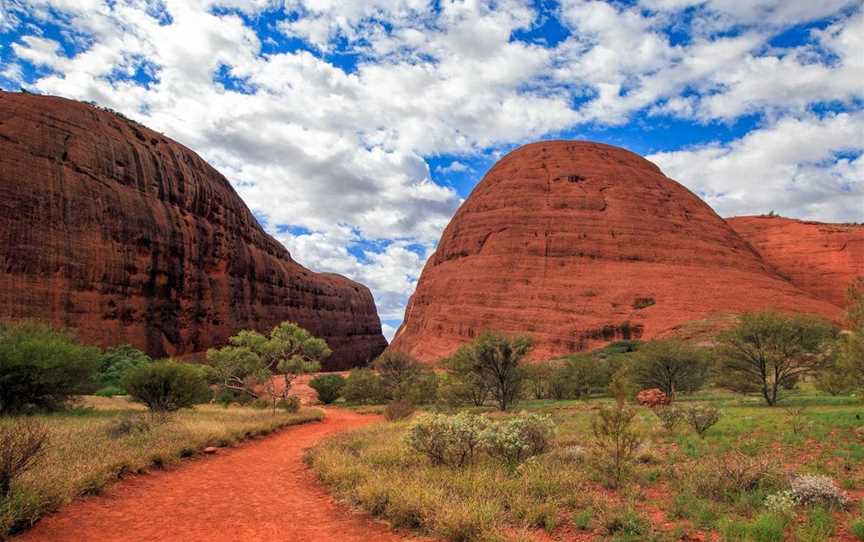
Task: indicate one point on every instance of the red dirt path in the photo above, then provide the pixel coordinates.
(259, 491)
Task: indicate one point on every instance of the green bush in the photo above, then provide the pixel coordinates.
(516, 439)
(420, 389)
(447, 440)
(363, 386)
(329, 387)
(395, 369)
(41, 367)
(114, 363)
(702, 417)
(398, 410)
(671, 365)
(166, 386)
(857, 528)
(110, 391)
(289, 404)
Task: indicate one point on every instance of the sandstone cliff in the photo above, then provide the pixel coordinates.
(129, 237)
(822, 259)
(578, 244)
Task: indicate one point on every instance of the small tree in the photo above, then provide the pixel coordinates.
(494, 362)
(702, 417)
(363, 386)
(767, 351)
(42, 367)
(22, 444)
(166, 386)
(395, 368)
(463, 384)
(616, 441)
(329, 387)
(671, 365)
(114, 363)
(252, 360)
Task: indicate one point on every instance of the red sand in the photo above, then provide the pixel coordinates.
(259, 491)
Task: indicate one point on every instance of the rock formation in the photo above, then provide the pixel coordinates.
(578, 244)
(127, 236)
(822, 259)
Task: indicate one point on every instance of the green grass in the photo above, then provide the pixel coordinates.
(809, 432)
(82, 458)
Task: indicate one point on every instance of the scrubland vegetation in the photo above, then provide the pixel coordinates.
(760, 438)
(75, 418)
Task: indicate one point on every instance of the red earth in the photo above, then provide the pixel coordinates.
(258, 491)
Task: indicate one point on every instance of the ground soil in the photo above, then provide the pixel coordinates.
(261, 490)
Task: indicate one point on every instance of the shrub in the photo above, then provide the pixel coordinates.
(782, 503)
(110, 391)
(395, 368)
(329, 387)
(702, 417)
(669, 416)
(398, 410)
(725, 477)
(127, 425)
(22, 444)
(363, 386)
(857, 528)
(810, 489)
(114, 363)
(290, 403)
(41, 367)
(420, 389)
(166, 386)
(516, 439)
(447, 440)
(615, 440)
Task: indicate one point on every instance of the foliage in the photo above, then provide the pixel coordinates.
(328, 386)
(782, 502)
(616, 440)
(41, 367)
(166, 386)
(669, 415)
(22, 445)
(363, 386)
(250, 362)
(671, 365)
(398, 409)
(114, 363)
(492, 362)
(110, 391)
(420, 389)
(767, 351)
(516, 439)
(396, 369)
(127, 425)
(817, 489)
(702, 417)
(463, 384)
(447, 440)
(290, 403)
(725, 477)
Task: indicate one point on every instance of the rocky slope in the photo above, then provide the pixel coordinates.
(822, 259)
(129, 237)
(579, 243)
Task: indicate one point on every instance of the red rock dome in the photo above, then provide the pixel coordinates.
(578, 244)
(129, 237)
(822, 259)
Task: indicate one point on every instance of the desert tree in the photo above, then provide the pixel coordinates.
(671, 365)
(494, 362)
(251, 361)
(766, 351)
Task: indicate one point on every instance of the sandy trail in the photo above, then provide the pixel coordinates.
(261, 490)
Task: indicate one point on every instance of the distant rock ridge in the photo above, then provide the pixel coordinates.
(129, 237)
(578, 244)
(821, 259)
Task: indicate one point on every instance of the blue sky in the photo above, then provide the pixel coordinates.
(354, 129)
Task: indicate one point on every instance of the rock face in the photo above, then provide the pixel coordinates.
(578, 244)
(129, 237)
(822, 259)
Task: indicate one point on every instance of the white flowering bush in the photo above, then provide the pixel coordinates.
(516, 439)
(781, 503)
(447, 440)
(809, 489)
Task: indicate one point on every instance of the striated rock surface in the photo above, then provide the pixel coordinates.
(129, 237)
(822, 259)
(578, 244)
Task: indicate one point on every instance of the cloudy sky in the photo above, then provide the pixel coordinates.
(354, 128)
